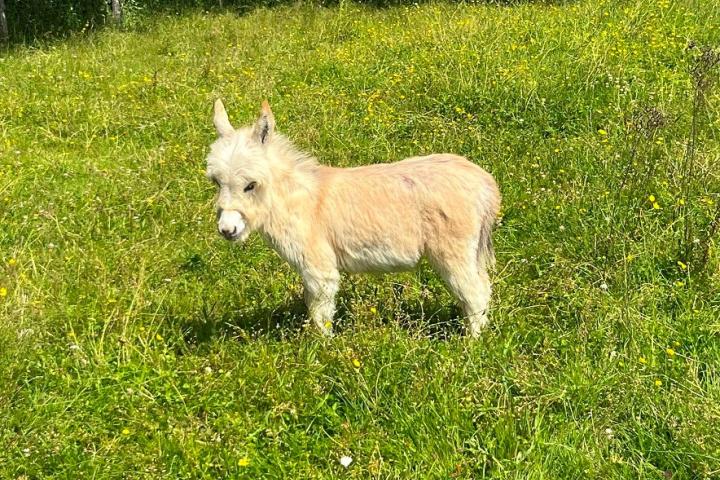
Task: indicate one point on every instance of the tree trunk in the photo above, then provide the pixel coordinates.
(3, 23)
(116, 7)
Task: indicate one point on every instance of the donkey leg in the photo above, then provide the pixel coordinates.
(476, 309)
(471, 286)
(320, 293)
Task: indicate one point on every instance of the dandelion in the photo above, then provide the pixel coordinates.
(3, 292)
(244, 462)
(356, 363)
(328, 324)
(373, 310)
(125, 431)
(602, 132)
(656, 206)
(643, 360)
(12, 262)
(158, 337)
(658, 383)
(682, 265)
(651, 198)
(670, 352)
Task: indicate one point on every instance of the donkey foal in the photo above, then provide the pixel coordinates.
(376, 218)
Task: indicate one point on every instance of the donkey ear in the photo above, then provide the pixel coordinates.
(265, 125)
(221, 121)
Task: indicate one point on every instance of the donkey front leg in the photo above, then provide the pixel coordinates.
(320, 293)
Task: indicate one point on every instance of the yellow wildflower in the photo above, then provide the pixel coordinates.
(670, 352)
(244, 462)
(12, 262)
(643, 360)
(602, 132)
(125, 431)
(3, 292)
(651, 198)
(356, 363)
(658, 383)
(158, 337)
(682, 265)
(373, 310)
(656, 206)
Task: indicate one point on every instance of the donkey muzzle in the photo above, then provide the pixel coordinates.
(231, 224)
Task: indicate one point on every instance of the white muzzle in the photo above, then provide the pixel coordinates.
(231, 224)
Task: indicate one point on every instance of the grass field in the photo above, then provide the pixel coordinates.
(136, 343)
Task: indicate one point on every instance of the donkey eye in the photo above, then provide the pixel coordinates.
(215, 181)
(250, 187)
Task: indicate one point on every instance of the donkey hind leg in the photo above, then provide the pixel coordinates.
(471, 286)
(320, 300)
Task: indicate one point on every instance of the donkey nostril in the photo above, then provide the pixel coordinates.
(227, 233)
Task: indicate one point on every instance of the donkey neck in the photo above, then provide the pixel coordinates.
(287, 227)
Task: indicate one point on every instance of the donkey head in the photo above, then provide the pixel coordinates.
(238, 164)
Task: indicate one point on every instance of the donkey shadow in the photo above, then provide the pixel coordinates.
(428, 318)
(277, 322)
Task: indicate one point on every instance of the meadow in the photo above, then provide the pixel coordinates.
(136, 343)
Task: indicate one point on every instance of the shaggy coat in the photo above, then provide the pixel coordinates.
(376, 218)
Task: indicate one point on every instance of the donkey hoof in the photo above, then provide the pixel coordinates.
(323, 330)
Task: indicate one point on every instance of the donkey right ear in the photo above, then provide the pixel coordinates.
(221, 120)
(265, 125)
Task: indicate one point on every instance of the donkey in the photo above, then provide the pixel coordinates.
(377, 218)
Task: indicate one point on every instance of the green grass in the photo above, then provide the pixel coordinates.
(136, 343)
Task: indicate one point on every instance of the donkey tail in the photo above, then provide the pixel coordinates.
(486, 252)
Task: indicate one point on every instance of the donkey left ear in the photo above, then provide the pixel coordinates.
(265, 125)
(221, 121)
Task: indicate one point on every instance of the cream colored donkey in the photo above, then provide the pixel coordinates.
(376, 218)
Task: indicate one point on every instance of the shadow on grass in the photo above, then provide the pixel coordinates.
(429, 319)
(279, 322)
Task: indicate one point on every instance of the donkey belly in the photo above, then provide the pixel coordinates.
(376, 258)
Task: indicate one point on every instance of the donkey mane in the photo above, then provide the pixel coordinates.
(282, 150)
